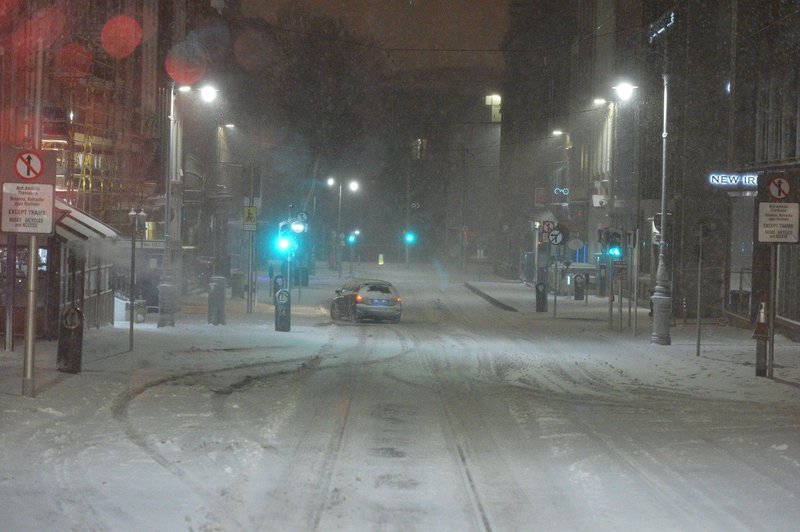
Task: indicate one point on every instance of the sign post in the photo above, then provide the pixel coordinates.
(778, 223)
(29, 178)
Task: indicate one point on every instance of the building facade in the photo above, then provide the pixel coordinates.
(731, 113)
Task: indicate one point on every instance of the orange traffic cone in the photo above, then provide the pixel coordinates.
(761, 332)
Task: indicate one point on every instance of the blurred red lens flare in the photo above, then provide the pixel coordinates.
(72, 61)
(186, 63)
(46, 24)
(120, 36)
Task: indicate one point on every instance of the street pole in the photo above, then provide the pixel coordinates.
(137, 217)
(408, 209)
(662, 294)
(131, 298)
(773, 307)
(662, 297)
(535, 252)
(250, 278)
(28, 380)
(172, 266)
(338, 252)
(699, 286)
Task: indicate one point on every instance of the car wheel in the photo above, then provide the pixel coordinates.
(334, 313)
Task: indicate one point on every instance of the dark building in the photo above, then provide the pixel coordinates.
(731, 105)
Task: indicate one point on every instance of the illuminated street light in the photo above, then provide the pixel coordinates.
(208, 93)
(625, 90)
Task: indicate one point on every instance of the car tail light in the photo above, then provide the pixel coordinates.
(359, 298)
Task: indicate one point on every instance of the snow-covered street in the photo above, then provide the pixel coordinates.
(463, 416)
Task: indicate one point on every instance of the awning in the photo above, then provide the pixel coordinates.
(74, 225)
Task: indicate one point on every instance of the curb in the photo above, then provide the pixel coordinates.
(490, 299)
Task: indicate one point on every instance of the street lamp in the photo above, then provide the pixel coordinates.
(662, 293)
(137, 218)
(624, 90)
(172, 266)
(353, 186)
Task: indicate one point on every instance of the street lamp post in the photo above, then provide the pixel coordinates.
(172, 265)
(662, 296)
(353, 186)
(662, 293)
(137, 218)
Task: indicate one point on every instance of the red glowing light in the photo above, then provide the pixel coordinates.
(186, 63)
(72, 61)
(120, 36)
(46, 24)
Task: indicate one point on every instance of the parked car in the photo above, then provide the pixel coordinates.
(367, 299)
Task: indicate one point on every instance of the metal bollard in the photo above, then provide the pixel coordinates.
(541, 297)
(580, 287)
(70, 341)
(283, 310)
(167, 299)
(216, 300)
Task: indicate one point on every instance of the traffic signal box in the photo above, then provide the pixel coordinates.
(611, 242)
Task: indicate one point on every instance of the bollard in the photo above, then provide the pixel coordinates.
(541, 297)
(167, 299)
(70, 341)
(580, 287)
(601, 280)
(216, 301)
(761, 335)
(283, 310)
(237, 285)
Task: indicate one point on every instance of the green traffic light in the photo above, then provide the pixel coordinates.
(284, 244)
(410, 237)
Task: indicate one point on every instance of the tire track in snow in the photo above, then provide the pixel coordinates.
(121, 406)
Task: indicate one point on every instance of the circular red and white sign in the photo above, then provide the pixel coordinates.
(28, 165)
(778, 188)
(548, 226)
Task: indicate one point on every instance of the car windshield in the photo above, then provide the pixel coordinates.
(381, 289)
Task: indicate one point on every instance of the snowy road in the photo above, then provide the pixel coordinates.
(461, 417)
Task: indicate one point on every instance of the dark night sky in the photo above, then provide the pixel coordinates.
(457, 29)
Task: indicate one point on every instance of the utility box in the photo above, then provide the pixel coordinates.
(122, 309)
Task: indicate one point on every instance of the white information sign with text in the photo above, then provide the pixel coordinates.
(27, 208)
(778, 222)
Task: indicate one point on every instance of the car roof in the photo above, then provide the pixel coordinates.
(373, 281)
